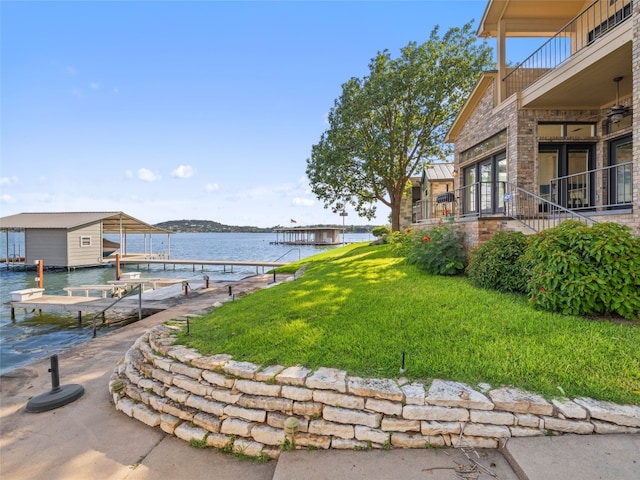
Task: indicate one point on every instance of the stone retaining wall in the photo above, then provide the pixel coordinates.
(241, 407)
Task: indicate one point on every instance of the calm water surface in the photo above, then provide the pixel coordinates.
(32, 336)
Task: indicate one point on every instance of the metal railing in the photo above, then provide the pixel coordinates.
(536, 212)
(569, 197)
(428, 209)
(577, 191)
(491, 199)
(102, 312)
(592, 23)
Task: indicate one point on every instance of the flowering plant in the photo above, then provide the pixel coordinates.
(439, 250)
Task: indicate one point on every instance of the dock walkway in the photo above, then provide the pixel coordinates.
(158, 299)
(151, 260)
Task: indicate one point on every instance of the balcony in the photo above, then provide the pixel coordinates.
(578, 63)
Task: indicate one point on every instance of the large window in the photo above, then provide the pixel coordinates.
(565, 174)
(484, 186)
(620, 171)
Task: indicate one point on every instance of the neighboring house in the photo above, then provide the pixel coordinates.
(436, 193)
(70, 240)
(556, 136)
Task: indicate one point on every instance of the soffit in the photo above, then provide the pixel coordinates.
(585, 81)
(528, 18)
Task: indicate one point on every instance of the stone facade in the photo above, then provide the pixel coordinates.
(199, 400)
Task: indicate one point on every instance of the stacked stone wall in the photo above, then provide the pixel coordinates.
(218, 402)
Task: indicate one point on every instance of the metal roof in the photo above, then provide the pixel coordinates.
(439, 171)
(112, 222)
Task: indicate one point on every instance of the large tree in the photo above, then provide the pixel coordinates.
(386, 125)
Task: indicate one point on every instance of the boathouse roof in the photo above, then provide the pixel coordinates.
(112, 222)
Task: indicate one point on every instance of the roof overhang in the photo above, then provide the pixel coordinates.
(527, 18)
(112, 222)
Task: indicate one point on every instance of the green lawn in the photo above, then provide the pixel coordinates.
(357, 308)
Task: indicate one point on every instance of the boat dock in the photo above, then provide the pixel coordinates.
(151, 260)
(166, 293)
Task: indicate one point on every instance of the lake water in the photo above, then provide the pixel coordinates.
(33, 336)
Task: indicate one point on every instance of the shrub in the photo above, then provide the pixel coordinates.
(583, 270)
(381, 232)
(498, 264)
(438, 250)
(401, 241)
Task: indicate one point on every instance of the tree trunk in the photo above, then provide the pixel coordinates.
(395, 214)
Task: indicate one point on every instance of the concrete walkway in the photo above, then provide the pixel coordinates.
(89, 439)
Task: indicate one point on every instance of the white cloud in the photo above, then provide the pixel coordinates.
(183, 171)
(6, 181)
(302, 202)
(148, 176)
(211, 187)
(94, 85)
(7, 199)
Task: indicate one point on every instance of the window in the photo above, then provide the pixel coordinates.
(85, 241)
(626, 122)
(484, 185)
(620, 172)
(497, 140)
(566, 130)
(565, 174)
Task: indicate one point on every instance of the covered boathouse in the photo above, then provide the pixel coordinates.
(73, 239)
(308, 236)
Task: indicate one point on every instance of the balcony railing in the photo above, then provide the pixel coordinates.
(572, 196)
(577, 193)
(592, 23)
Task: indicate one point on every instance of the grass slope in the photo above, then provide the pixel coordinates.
(357, 308)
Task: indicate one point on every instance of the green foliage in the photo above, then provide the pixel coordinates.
(498, 263)
(439, 250)
(198, 443)
(382, 231)
(394, 120)
(361, 307)
(402, 242)
(582, 270)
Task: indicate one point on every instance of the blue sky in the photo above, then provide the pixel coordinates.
(186, 110)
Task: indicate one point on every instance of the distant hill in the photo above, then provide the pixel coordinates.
(211, 226)
(207, 226)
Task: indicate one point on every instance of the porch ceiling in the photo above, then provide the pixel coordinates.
(585, 81)
(528, 18)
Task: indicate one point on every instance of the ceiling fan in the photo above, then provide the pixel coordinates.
(617, 111)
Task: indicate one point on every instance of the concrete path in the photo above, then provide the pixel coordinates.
(89, 439)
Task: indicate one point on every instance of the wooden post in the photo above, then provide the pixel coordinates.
(117, 266)
(40, 273)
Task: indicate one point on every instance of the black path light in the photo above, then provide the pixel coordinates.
(58, 396)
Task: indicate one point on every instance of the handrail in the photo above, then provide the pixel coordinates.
(592, 23)
(287, 253)
(533, 211)
(137, 287)
(536, 212)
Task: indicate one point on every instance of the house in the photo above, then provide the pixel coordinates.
(436, 193)
(557, 135)
(70, 240)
